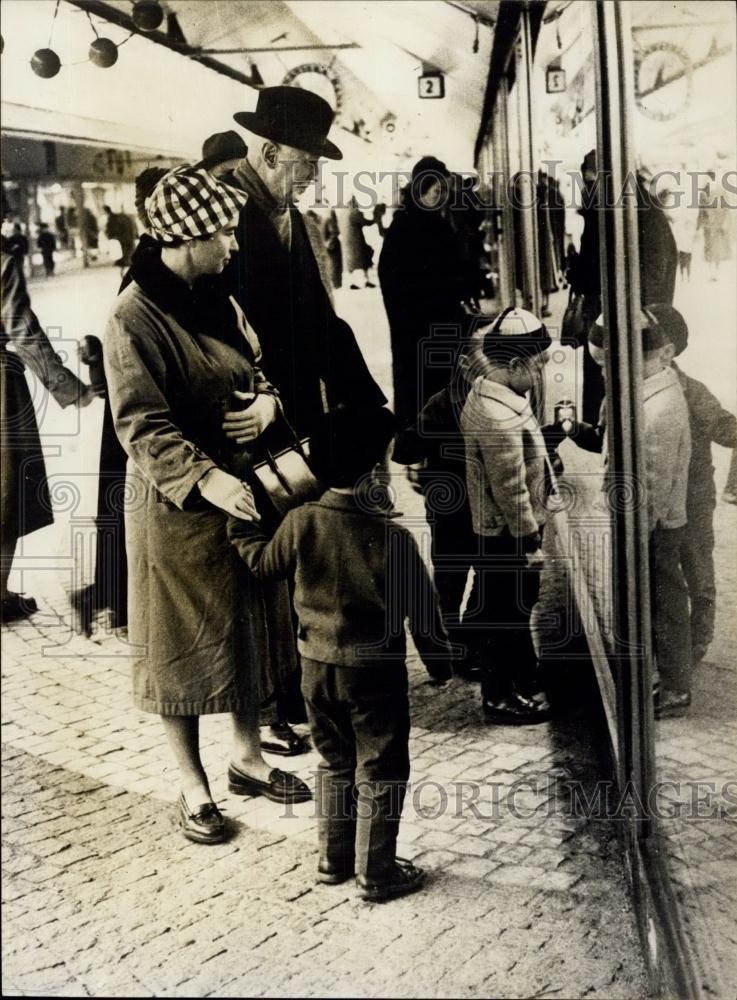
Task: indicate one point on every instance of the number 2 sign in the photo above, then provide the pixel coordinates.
(431, 85)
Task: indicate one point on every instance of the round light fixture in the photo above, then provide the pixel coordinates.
(147, 15)
(103, 53)
(45, 63)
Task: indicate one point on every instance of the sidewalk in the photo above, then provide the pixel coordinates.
(103, 896)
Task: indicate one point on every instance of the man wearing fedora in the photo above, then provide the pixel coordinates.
(310, 354)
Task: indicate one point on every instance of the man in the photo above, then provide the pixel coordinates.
(311, 354)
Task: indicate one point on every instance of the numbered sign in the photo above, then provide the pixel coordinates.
(555, 80)
(432, 85)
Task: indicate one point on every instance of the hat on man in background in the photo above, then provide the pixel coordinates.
(221, 147)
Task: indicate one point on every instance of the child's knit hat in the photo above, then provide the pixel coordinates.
(515, 333)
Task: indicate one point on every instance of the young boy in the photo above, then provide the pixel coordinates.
(667, 455)
(433, 450)
(505, 471)
(709, 422)
(357, 577)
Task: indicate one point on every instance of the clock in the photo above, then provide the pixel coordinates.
(320, 79)
(663, 78)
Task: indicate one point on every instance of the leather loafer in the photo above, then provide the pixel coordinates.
(206, 826)
(281, 787)
(402, 880)
(333, 874)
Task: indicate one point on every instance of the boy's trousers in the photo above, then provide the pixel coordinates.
(359, 720)
(697, 560)
(670, 612)
(507, 592)
(455, 550)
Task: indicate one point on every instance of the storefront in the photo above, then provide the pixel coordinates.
(643, 100)
(66, 186)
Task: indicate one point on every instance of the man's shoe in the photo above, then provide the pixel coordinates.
(281, 787)
(206, 826)
(405, 878)
(333, 875)
(516, 710)
(671, 704)
(15, 607)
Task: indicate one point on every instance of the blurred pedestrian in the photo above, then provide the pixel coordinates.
(359, 256)
(26, 503)
(17, 246)
(47, 245)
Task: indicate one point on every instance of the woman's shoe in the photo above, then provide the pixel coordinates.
(282, 786)
(284, 741)
(15, 607)
(206, 826)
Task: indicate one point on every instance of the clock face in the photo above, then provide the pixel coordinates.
(320, 79)
(662, 81)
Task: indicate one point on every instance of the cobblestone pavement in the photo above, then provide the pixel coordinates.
(102, 895)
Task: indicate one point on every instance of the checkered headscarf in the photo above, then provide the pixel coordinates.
(189, 203)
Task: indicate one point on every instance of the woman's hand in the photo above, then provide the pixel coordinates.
(242, 426)
(229, 494)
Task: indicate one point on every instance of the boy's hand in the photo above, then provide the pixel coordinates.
(229, 494)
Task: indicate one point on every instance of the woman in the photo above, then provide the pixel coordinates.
(422, 283)
(359, 255)
(176, 354)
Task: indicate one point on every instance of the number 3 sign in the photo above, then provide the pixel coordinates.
(432, 85)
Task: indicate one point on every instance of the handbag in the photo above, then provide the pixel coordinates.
(573, 330)
(286, 475)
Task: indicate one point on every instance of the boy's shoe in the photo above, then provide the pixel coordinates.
(405, 878)
(516, 710)
(330, 874)
(671, 704)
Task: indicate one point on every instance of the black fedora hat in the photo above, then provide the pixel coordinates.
(294, 117)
